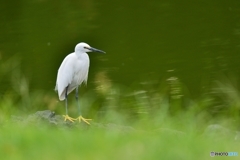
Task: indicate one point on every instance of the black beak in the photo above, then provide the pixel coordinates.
(96, 50)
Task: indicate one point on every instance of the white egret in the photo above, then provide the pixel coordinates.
(72, 73)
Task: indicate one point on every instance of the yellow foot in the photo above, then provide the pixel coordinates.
(66, 117)
(80, 118)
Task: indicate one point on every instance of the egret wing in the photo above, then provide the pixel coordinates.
(65, 76)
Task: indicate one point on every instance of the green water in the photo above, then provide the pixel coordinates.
(147, 42)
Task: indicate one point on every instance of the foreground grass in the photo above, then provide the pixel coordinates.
(161, 132)
(46, 142)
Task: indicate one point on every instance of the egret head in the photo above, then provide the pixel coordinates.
(84, 47)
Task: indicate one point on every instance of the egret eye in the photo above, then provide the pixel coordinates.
(85, 47)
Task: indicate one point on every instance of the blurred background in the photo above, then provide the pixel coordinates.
(171, 55)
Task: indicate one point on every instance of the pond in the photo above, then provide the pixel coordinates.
(148, 42)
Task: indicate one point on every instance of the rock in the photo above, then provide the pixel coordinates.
(43, 117)
(49, 118)
(216, 131)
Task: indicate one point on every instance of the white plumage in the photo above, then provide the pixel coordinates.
(73, 72)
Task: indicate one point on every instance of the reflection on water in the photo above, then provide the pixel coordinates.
(103, 83)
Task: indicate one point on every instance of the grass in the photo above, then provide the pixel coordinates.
(167, 123)
(29, 142)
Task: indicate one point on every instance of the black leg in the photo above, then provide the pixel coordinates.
(78, 105)
(66, 101)
(80, 118)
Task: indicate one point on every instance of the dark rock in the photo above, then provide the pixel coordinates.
(42, 117)
(49, 118)
(114, 127)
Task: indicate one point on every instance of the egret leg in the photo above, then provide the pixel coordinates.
(66, 117)
(66, 101)
(80, 118)
(78, 105)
